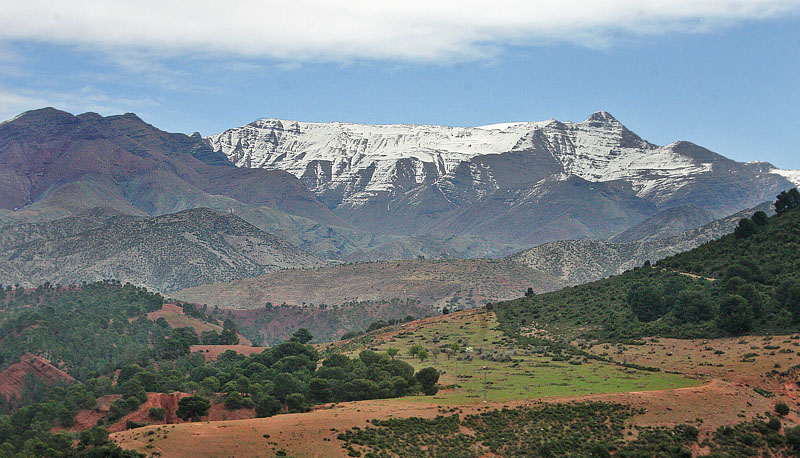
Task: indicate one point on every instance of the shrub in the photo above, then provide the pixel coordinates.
(158, 413)
(782, 409)
(774, 424)
(267, 406)
(428, 379)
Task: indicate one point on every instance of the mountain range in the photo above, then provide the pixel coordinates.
(519, 183)
(87, 197)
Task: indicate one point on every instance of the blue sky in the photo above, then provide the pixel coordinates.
(727, 79)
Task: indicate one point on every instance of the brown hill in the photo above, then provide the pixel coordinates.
(333, 300)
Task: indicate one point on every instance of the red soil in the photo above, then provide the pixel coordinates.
(12, 380)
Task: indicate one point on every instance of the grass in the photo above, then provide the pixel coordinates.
(526, 376)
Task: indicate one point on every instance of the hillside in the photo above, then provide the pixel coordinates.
(163, 253)
(742, 282)
(574, 262)
(94, 328)
(333, 300)
(666, 223)
(28, 371)
(538, 403)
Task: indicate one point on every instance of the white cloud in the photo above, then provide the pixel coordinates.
(411, 30)
(16, 101)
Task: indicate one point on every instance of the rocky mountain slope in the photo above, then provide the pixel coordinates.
(667, 223)
(520, 183)
(580, 261)
(163, 253)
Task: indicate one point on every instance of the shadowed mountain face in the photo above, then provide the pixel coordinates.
(521, 183)
(55, 164)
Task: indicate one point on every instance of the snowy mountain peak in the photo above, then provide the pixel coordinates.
(349, 164)
(603, 117)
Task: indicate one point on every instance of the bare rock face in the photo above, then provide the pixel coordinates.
(522, 183)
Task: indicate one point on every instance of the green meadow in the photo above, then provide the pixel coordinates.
(526, 376)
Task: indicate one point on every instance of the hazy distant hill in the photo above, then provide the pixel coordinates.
(669, 222)
(581, 261)
(463, 282)
(163, 253)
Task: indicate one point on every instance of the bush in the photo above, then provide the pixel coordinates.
(236, 401)
(646, 302)
(267, 407)
(296, 402)
(192, 407)
(782, 409)
(130, 424)
(158, 413)
(793, 437)
(774, 424)
(428, 379)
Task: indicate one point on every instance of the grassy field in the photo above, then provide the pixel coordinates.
(525, 376)
(709, 397)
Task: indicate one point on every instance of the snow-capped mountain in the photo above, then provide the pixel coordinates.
(414, 179)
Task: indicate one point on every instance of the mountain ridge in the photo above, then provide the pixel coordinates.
(423, 179)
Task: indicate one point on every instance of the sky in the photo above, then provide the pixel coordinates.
(724, 74)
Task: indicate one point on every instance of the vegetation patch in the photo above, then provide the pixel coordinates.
(746, 282)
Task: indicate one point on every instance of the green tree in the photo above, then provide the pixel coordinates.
(230, 333)
(760, 218)
(235, 401)
(158, 413)
(428, 379)
(735, 315)
(193, 407)
(416, 348)
(745, 229)
(302, 336)
(787, 201)
(267, 406)
(788, 296)
(296, 402)
(646, 302)
(392, 352)
(692, 306)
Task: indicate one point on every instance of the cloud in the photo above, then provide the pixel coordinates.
(342, 30)
(18, 100)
